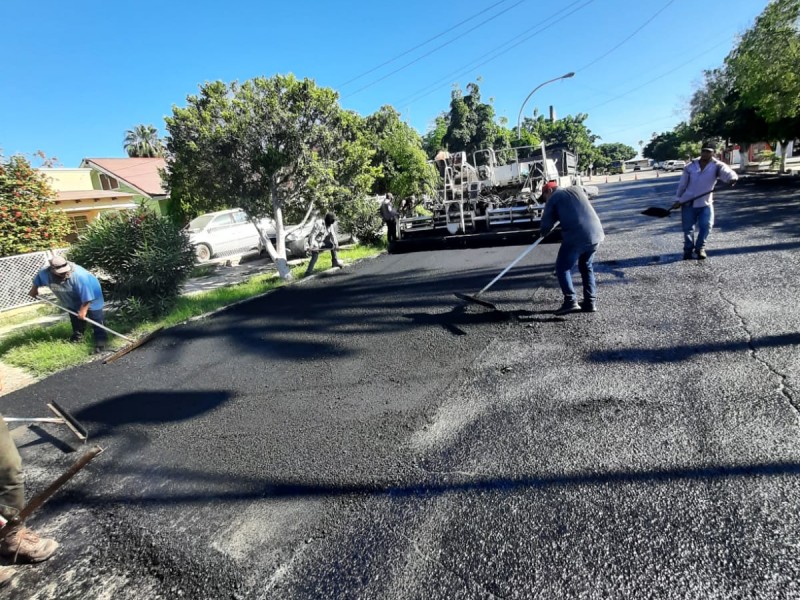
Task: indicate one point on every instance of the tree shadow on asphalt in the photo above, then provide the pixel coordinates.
(681, 353)
(152, 407)
(242, 489)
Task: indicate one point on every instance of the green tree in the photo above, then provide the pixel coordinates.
(266, 145)
(471, 123)
(607, 153)
(398, 153)
(143, 142)
(764, 68)
(682, 142)
(568, 132)
(28, 221)
(433, 140)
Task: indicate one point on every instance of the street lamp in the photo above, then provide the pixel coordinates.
(519, 117)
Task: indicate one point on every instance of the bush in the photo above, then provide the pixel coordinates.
(361, 218)
(144, 259)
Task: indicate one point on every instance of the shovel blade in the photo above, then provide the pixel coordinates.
(475, 300)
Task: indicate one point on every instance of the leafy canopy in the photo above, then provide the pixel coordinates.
(264, 145)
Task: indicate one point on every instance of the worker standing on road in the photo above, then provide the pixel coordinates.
(19, 544)
(698, 179)
(389, 216)
(582, 234)
(323, 236)
(77, 290)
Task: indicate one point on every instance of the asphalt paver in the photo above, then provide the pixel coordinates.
(367, 435)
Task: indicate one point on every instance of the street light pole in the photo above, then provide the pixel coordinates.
(519, 117)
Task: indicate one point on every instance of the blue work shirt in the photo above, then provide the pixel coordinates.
(580, 225)
(76, 290)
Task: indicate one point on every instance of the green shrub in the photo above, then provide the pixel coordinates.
(144, 259)
(361, 218)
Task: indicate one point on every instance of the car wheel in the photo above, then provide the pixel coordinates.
(202, 252)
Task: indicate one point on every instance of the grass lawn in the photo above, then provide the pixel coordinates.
(44, 350)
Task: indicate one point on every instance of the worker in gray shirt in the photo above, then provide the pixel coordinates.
(582, 233)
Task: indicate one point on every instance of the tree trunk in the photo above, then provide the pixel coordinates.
(278, 255)
(784, 144)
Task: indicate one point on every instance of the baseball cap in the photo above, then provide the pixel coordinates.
(709, 147)
(550, 185)
(59, 265)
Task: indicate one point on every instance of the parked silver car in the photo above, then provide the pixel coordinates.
(226, 232)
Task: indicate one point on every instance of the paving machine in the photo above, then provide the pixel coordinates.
(494, 193)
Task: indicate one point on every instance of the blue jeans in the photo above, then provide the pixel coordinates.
(583, 256)
(79, 326)
(701, 219)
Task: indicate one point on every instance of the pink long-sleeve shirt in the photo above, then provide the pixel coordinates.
(699, 182)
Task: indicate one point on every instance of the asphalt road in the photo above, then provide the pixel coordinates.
(366, 435)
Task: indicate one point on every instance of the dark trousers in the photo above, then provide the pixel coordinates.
(79, 326)
(315, 255)
(12, 488)
(391, 230)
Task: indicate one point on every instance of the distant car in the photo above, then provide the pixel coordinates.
(674, 165)
(226, 231)
(297, 238)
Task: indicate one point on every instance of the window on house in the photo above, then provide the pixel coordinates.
(108, 183)
(79, 223)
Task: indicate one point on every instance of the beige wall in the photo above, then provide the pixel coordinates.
(69, 180)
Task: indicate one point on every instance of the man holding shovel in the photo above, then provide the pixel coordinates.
(697, 181)
(77, 290)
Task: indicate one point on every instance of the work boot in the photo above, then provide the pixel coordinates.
(6, 573)
(76, 338)
(701, 254)
(588, 306)
(99, 349)
(569, 306)
(24, 545)
(687, 255)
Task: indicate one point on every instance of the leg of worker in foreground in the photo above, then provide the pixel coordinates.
(19, 544)
(582, 234)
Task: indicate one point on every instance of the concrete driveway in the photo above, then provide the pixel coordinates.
(365, 435)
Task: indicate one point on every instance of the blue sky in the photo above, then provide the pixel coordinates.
(76, 76)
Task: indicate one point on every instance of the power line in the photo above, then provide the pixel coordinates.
(420, 45)
(525, 36)
(658, 77)
(439, 47)
(635, 31)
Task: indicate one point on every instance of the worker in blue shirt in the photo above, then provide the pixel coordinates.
(77, 290)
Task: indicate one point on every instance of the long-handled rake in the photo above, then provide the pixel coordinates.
(62, 417)
(45, 495)
(475, 297)
(132, 344)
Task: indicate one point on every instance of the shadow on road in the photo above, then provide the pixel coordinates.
(679, 353)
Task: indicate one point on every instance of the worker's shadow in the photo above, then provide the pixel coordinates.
(459, 316)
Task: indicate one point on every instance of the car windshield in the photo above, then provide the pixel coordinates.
(199, 222)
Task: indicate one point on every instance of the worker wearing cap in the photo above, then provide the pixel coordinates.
(389, 216)
(698, 180)
(18, 543)
(77, 290)
(581, 235)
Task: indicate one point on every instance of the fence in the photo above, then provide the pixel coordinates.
(16, 277)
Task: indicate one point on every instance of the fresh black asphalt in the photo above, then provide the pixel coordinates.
(365, 434)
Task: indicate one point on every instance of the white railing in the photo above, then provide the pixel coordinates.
(16, 276)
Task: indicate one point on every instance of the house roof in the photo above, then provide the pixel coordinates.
(140, 173)
(92, 195)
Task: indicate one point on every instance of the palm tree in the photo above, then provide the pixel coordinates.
(142, 142)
